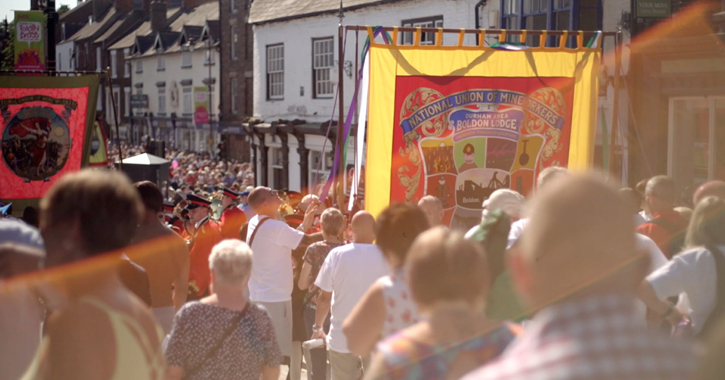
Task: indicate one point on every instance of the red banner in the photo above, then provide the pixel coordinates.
(46, 125)
(461, 138)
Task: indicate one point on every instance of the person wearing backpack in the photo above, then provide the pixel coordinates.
(667, 228)
(697, 274)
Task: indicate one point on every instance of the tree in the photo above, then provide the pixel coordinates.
(7, 56)
(63, 8)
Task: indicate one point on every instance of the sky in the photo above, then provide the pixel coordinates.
(7, 7)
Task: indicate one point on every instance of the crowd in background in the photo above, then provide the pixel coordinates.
(207, 277)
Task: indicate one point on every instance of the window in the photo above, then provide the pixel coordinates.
(185, 59)
(323, 60)
(209, 56)
(426, 38)
(162, 100)
(277, 168)
(234, 5)
(98, 59)
(275, 72)
(126, 64)
(127, 101)
(534, 17)
(62, 31)
(161, 63)
(320, 167)
(116, 100)
(139, 66)
(114, 71)
(188, 100)
(234, 96)
(550, 14)
(234, 41)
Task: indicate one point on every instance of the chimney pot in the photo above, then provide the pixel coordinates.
(158, 15)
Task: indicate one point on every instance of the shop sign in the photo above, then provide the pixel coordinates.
(654, 8)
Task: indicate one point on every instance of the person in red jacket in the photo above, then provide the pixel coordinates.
(232, 217)
(207, 235)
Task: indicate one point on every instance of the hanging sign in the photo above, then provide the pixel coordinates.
(201, 105)
(29, 43)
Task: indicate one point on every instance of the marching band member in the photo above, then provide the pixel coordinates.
(205, 237)
(232, 217)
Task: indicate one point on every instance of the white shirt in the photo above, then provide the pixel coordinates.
(271, 279)
(657, 259)
(517, 228)
(348, 272)
(692, 272)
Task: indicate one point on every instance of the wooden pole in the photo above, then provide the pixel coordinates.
(115, 118)
(615, 106)
(339, 190)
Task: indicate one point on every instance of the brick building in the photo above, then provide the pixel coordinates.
(237, 76)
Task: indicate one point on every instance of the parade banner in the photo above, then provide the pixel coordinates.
(201, 105)
(460, 122)
(29, 43)
(46, 131)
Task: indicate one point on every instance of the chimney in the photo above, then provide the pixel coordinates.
(123, 6)
(99, 8)
(191, 4)
(158, 15)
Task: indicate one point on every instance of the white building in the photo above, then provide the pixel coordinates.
(296, 63)
(167, 64)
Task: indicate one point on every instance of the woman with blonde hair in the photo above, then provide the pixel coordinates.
(695, 274)
(448, 280)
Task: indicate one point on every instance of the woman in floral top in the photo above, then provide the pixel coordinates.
(332, 223)
(448, 280)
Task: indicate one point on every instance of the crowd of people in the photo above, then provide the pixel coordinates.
(207, 277)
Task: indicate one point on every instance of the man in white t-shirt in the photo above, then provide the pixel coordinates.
(345, 276)
(271, 282)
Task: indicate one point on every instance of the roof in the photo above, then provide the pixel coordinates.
(143, 30)
(77, 8)
(213, 28)
(193, 31)
(278, 10)
(168, 38)
(90, 30)
(145, 159)
(197, 16)
(110, 31)
(145, 42)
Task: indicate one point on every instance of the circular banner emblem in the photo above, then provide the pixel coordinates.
(36, 143)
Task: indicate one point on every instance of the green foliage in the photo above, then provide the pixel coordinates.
(63, 8)
(7, 56)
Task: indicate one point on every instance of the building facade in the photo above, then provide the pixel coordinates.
(235, 88)
(296, 67)
(170, 64)
(678, 95)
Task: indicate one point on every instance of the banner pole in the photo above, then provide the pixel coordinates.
(340, 123)
(615, 106)
(115, 117)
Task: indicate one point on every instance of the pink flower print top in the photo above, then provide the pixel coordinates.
(400, 309)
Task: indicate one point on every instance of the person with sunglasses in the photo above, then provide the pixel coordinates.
(272, 242)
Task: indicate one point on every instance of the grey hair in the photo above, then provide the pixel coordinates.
(231, 261)
(549, 174)
(332, 221)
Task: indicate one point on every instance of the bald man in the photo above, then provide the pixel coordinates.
(667, 227)
(709, 189)
(346, 275)
(433, 209)
(579, 264)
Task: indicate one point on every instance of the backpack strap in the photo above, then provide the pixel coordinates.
(719, 310)
(254, 233)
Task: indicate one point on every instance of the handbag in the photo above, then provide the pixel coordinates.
(218, 345)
